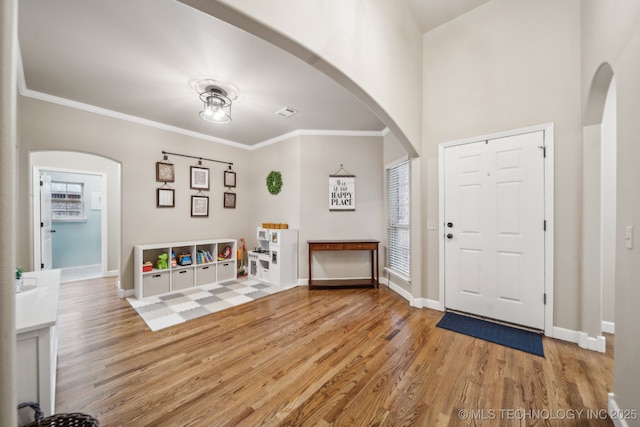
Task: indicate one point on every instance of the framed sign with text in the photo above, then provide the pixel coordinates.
(342, 192)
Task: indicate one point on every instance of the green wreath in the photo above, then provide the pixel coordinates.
(274, 182)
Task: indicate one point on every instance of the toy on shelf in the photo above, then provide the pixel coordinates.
(185, 259)
(203, 256)
(174, 263)
(162, 262)
(225, 255)
(147, 266)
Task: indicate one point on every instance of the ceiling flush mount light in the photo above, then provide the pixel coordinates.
(217, 105)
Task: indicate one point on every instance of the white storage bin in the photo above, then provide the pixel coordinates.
(155, 283)
(205, 274)
(182, 279)
(226, 271)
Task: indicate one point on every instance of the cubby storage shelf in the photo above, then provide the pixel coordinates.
(205, 267)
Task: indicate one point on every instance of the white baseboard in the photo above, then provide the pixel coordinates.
(399, 290)
(413, 302)
(608, 327)
(112, 273)
(581, 338)
(427, 303)
(614, 412)
(126, 293)
(592, 343)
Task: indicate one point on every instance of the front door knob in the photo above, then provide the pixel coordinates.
(449, 236)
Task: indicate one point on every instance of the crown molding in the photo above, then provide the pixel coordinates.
(314, 132)
(26, 92)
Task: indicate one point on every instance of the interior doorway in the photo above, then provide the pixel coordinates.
(84, 214)
(75, 242)
(599, 207)
(608, 207)
(599, 228)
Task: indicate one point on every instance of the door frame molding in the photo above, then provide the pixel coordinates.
(35, 213)
(548, 138)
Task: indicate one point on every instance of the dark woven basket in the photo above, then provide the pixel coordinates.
(72, 419)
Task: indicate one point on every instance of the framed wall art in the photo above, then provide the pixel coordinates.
(342, 193)
(164, 172)
(199, 206)
(229, 179)
(199, 178)
(165, 198)
(230, 200)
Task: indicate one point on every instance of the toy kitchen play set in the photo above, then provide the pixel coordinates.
(275, 259)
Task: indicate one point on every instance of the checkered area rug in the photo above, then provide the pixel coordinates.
(162, 311)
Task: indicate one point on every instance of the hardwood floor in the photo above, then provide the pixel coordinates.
(338, 357)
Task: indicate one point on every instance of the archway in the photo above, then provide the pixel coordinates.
(598, 210)
(105, 204)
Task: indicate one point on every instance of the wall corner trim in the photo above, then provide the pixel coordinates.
(413, 302)
(126, 293)
(615, 412)
(608, 327)
(581, 338)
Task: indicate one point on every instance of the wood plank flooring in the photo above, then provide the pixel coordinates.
(341, 357)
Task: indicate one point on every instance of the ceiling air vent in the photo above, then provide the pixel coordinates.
(286, 112)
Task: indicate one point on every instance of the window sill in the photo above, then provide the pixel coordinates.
(398, 274)
(69, 219)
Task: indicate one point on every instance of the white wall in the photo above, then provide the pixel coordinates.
(591, 242)
(611, 34)
(305, 163)
(508, 65)
(321, 156)
(136, 148)
(8, 220)
(608, 208)
(283, 157)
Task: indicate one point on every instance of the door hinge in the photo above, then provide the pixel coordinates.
(42, 265)
(544, 225)
(41, 224)
(545, 298)
(41, 183)
(544, 151)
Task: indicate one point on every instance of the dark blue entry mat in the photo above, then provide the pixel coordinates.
(519, 339)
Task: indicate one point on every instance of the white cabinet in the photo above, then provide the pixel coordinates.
(189, 264)
(275, 260)
(37, 345)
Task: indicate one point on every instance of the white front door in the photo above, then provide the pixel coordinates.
(494, 228)
(46, 230)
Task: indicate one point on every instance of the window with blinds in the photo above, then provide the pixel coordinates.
(398, 227)
(67, 203)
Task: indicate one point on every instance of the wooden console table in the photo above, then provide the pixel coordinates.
(345, 245)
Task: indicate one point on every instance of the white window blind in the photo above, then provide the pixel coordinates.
(398, 226)
(67, 201)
